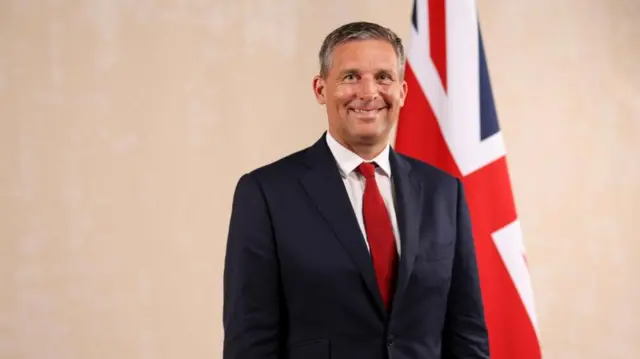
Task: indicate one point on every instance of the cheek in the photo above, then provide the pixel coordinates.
(392, 96)
(343, 94)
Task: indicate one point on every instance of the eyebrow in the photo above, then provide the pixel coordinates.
(378, 71)
(349, 71)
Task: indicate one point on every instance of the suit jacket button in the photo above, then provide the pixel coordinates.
(390, 340)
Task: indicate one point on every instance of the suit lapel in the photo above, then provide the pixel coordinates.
(324, 185)
(409, 194)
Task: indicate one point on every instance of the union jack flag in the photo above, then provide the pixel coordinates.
(449, 120)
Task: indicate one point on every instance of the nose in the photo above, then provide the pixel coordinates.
(368, 89)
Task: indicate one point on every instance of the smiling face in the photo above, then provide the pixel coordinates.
(363, 92)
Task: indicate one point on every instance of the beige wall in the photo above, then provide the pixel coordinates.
(124, 126)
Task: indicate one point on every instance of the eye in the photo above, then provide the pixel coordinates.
(385, 77)
(350, 77)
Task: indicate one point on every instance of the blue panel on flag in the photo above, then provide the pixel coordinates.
(414, 17)
(488, 117)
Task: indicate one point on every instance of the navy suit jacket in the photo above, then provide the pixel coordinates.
(299, 282)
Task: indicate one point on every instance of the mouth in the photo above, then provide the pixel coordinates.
(366, 112)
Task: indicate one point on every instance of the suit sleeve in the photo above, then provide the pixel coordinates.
(465, 333)
(251, 309)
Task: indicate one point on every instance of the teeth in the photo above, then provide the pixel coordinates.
(364, 111)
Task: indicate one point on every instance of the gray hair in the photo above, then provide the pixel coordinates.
(355, 31)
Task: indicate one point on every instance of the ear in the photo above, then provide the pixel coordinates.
(403, 92)
(319, 87)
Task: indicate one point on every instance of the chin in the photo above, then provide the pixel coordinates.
(370, 135)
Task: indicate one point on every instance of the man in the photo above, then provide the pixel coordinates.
(347, 249)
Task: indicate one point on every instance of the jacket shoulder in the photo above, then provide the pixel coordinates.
(287, 166)
(426, 170)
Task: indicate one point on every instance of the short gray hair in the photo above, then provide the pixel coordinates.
(355, 31)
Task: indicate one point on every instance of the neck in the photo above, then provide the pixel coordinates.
(366, 150)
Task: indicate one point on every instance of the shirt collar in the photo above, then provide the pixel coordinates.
(349, 161)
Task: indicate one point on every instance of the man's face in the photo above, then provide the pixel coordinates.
(362, 91)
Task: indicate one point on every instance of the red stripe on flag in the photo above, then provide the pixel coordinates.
(489, 195)
(511, 333)
(418, 134)
(438, 37)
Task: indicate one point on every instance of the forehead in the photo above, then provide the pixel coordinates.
(364, 55)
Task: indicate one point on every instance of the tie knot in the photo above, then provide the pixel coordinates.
(367, 169)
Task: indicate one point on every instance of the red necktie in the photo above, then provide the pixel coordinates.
(379, 233)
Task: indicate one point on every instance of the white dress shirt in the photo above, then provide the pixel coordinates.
(354, 183)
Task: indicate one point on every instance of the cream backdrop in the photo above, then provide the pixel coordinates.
(126, 124)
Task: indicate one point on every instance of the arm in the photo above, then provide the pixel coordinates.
(465, 333)
(251, 310)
